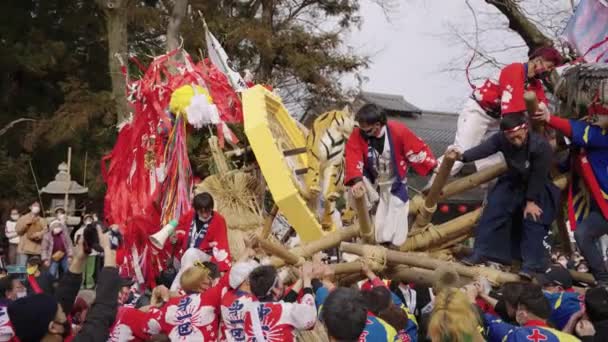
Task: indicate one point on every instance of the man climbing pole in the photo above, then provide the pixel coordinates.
(378, 154)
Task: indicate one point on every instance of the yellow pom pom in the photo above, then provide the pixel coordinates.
(180, 99)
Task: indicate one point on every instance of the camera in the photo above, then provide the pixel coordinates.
(91, 239)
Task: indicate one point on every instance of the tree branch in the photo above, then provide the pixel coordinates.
(13, 123)
(519, 23)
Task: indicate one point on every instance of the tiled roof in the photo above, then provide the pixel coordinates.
(437, 130)
(390, 102)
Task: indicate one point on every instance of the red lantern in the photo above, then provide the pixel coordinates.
(444, 208)
(462, 208)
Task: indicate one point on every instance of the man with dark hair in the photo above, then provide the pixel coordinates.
(523, 203)
(204, 228)
(506, 305)
(500, 96)
(557, 287)
(11, 289)
(533, 311)
(344, 315)
(271, 317)
(378, 154)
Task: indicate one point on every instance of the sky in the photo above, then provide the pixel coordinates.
(410, 49)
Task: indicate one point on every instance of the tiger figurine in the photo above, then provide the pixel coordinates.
(325, 144)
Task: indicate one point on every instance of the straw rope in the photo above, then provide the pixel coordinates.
(374, 257)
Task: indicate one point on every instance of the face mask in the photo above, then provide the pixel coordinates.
(57, 230)
(15, 217)
(35, 210)
(21, 294)
(87, 222)
(61, 217)
(366, 134)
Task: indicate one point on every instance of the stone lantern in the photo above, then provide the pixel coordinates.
(62, 189)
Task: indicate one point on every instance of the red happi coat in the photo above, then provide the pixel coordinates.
(214, 243)
(279, 319)
(234, 305)
(194, 317)
(133, 325)
(408, 149)
(7, 333)
(504, 92)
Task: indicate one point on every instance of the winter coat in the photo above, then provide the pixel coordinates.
(28, 227)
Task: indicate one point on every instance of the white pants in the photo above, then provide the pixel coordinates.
(474, 126)
(390, 220)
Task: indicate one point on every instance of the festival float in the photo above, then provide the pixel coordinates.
(150, 181)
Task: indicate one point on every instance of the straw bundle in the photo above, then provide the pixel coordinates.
(236, 198)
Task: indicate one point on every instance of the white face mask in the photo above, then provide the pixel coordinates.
(61, 217)
(21, 294)
(35, 210)
(87, 222)
(15, 217)
(57, 230)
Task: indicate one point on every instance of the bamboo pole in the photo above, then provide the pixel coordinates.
(472, 181)
(461, 185)
(347, 267)
(218, 156)
(419, 276)
(430, 203)
(442, 233)
(365, 222)
(531, 107)
(416, 260)
(279, 251)
(415, 203)
(330, 240)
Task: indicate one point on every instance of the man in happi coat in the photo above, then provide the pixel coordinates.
(378, 155)
(500, 95)
(204, 228)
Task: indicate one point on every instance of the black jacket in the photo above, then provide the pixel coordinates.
(528, 165)
(102, 314)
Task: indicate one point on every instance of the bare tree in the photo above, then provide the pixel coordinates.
(520, 23)
(177, 15)
(534, 24)
(115, 13)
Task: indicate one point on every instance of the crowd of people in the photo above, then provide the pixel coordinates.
(71, 291)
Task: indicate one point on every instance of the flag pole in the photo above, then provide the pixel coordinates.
(67, 188)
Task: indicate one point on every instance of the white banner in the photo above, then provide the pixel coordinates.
(220, 59)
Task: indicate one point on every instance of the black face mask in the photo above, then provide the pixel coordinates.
(366, 134)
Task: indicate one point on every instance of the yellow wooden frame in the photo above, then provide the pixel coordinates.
(263, 111)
